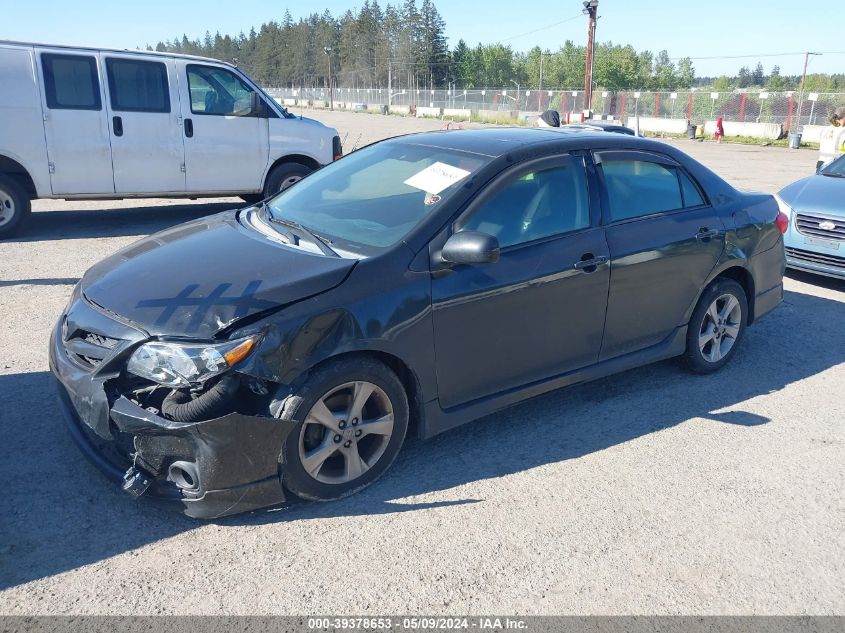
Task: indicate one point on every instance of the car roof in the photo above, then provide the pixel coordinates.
(496, 142)
(95, 49)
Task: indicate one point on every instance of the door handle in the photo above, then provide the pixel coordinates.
(588, 263)
(704, 234)
(189, 128)
(117, 124)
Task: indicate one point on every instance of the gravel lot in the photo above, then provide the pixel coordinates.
(650, 492)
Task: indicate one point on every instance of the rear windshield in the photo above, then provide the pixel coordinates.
(372, 198)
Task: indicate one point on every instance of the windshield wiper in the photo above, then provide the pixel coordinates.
(832, 175)
(323, 243)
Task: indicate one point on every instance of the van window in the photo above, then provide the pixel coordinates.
(70, 82)
(217, 91)
(137, 86)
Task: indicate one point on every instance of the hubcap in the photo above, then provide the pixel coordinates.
(287, 182)
(720, 328)
(7, 208)
(346, 433)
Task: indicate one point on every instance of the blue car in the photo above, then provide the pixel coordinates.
(815, 240)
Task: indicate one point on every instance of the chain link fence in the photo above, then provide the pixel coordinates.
(789, 109)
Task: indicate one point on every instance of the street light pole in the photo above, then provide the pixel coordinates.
(801, 91)
(591, 9)
(328, 51)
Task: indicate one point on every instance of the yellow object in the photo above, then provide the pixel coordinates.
(236, 355)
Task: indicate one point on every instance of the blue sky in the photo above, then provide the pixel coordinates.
(697, 29)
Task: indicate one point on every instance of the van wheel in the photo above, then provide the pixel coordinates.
(283, 176)
(14, 206)
(352, 416)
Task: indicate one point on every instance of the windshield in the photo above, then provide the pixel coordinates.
(834, 168)
(372, 198)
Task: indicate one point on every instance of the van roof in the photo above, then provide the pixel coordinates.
(71, 47)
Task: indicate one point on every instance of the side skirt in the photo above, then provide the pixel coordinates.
(438, 420)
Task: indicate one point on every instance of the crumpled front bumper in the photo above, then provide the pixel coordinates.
(233, 461)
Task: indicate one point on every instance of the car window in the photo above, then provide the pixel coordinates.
(70, 82)
(538, 204)
(639, 187)
(217, 91)
(692, 195)
(137, 86)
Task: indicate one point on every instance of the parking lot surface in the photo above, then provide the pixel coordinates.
(653, 491)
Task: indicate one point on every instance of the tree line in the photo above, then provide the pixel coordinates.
(404, 46)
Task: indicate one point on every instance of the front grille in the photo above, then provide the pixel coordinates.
(809, 225)
(89, 349)
(834, 261)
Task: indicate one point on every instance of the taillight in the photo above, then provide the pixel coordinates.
(782, 221)
(337, 148)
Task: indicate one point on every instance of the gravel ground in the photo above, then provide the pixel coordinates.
(651, 492)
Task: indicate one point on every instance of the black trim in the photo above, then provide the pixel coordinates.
(47, 60)
(117, 107)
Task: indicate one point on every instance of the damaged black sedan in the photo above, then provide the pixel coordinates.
(288, 348)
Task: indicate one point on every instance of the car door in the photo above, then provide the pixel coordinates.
(226, 143)
(75, 122)
(664, 240)
(537, 312)
(143, 110)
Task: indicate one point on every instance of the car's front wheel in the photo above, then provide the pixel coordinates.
(352, 417)
(716, 327)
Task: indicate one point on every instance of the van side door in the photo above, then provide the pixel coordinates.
(143, 115)
(226, 140)
(75, 123)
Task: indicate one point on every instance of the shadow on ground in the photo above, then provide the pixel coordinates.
(143, 220)
(60, 513)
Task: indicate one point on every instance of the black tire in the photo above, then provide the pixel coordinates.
(16, 206)
(320, 382)
(708, 359)
(283, 176)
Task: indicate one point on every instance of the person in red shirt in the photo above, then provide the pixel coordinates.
(720, 130)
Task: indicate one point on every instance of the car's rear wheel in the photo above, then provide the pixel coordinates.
(14, 206)
(283, 176)
(716, 327)
(352, 418)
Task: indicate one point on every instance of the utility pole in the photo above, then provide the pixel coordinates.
(541, 78)
(801, 91)
(591, 9)
(328, 51)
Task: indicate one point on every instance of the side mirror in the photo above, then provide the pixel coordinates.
(256, 105)
(471, 247)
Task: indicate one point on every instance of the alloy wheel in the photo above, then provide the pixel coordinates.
(720, 328)
(346, 432)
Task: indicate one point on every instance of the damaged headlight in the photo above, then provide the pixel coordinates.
(184, 364)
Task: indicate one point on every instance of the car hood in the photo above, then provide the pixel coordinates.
(816, 194)
(198, 278)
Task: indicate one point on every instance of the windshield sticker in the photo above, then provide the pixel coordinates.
(437, 177)
(432, 198)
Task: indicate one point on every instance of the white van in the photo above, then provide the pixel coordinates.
(82, 123)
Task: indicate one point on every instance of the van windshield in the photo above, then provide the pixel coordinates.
(372, 198)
